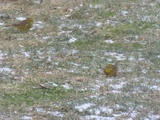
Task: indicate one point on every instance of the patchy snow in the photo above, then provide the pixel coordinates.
(49, 73)
(49, 85)
(144, 71)
(152, 117)
(46, 37)
(124, 13)
(85, 67)
(109, 79)
(92, 108)
(72, 40)
(95, 6)
(118, 86)
(106, 109)
(109, 41)
(155, 87)
(141, 59)
(26, 118)
(37, 25)
(99, 110)
(75, 64)
(107, 22)
(145, 18)
(133, 114)
(96, 117)
(1, 55)
(1, 24)
(118, 56)
(39, 110)
(72, 52)
(131, 58)
(26, 54)
(80, 26)
(67, 15)
(5, 70)
(158, 56)
(98, 24)
(52, 84)
(66, 86)
(55, 113)
(37, 1)
(20, 18)
(83, 107)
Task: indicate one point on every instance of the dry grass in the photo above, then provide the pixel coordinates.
(49, 76)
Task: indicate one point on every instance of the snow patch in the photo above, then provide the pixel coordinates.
(109, 41)
(83, 106)
(124, 13)
(5, 70)
(66, 86)
(55, 113)
(26, 118)
(96, 117)
(72, 40)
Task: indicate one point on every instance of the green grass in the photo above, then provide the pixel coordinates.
(55, 63)
(28, 97)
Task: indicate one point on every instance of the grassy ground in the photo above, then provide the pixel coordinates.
(55, 71)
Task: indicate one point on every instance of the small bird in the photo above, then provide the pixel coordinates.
(110, 70)
(24, 25)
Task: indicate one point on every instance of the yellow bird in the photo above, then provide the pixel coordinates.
(110, 70)
(24, 25)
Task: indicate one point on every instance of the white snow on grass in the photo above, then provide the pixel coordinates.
(99, 110)
(1, 55)
(51, 84)
(98, 24)
(5, 70)
(116, 55)
(46, 37)
(1, 24)
(21, 18)
(66, 86)
(96, 117)
(158, 56)
(96, 111)
(53, 113)
(72, 40)
(83, 107)
(124, 13)
(106, 110)
(95, 6)
(109, 79)
(131, 58)
(155, 87)
(40, 110)
(109, 41)
(26, 118)
(26, 54)
(38, 25)
(118, 86)
(152, 117)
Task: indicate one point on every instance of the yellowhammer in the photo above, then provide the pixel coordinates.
(23, 25)
(110, 70)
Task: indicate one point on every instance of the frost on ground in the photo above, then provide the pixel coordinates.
(58, 65)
